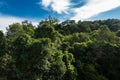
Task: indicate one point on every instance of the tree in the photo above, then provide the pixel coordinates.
(84, 26)
(2, 44)
(67, 27)
(104, 34)
(28, 28)
(46, 29)
(71, 72)
(87, 50)
(14, 31)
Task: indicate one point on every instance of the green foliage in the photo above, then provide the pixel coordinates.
(28, 28)
(67, 27)
(71, 70)
(2, 43)
(14, 31)
(46, 29)
(86, 50)
(118, 33)
(104, 34)
(22, 40)
(84, 26)
(77, 37)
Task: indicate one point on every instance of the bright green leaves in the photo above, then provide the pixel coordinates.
(104, 34)
(71, 70)
(46, 30)
(87, 50)
(22, 40)
(14, 31)
(18, 29)
(58, 67)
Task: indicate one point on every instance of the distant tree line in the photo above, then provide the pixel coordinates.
(83, 50)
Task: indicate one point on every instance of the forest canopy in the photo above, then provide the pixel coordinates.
(83, 50)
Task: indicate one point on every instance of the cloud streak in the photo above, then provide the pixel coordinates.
(94, 7)
(84, 12)
(61, 6)
(88, 10)
(6, 20)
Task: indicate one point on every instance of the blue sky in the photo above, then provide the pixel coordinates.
(34, 10)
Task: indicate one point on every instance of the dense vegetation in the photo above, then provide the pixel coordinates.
(87, 50)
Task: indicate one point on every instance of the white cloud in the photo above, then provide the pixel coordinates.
(6, 20)
(46, 3)
(88, 10)
(94, 7)
(60, 6)
(91, 8)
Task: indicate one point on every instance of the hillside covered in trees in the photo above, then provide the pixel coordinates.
(86, 50)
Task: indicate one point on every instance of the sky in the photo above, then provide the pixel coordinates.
(12, 11)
